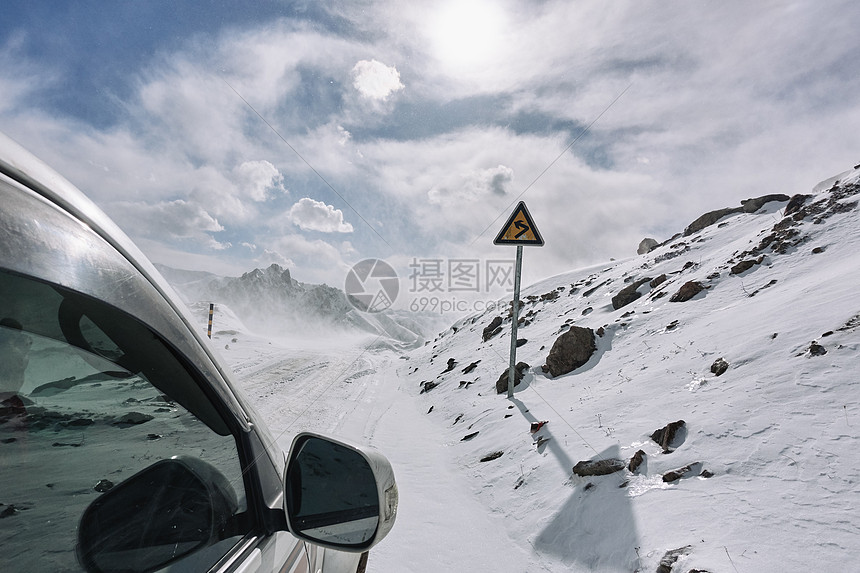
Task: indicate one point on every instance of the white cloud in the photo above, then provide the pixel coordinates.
(313, 215)
(475, 185)
(375, 80)
(177, 220)
(257, 178)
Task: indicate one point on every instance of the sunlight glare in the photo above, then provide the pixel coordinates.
(468, 33)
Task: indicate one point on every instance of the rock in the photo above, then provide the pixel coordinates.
(742, 266)
(636, 461)
(688, 291)
(709, 219)
(502, 382)
(133, 419)
(686, 471)
(628, 294)
(719, 367)
(492, 329)
(816, 349)
(493, 456)
(666, 436)
(795, 203)
(451, 364)
(646, 246)
(427, 386)
(753, 205)
(468, 437)
(598, 467)
(521, 341)
(470, 367)
(571, 350)
(669, 559)
(103, 485)
(658, 281)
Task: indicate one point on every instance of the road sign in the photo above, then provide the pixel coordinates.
(519, 229)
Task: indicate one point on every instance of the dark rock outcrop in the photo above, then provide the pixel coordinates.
(688, 291)
(629, 293)
(795, 203)
(636, 461)
(571, 350)
(670, 436)
(598, 467)
(669, 559)
(519, 372)
(687, 471)
(492, 329)
(646, 246)
(816, 349)
(658, 281)
(719, 367)
(753, 205)
(743, 266)
(709, 219)
(470, 367)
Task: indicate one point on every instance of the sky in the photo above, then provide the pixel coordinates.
(224, 136)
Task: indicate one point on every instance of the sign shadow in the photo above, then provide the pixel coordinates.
(595, 529)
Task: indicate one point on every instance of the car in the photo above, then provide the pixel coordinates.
(124, 442)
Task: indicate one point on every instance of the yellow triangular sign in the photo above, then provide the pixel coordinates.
(520, 229)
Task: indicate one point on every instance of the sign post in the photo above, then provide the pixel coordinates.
(519, 230)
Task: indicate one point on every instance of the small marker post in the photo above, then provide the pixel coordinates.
(211, 312)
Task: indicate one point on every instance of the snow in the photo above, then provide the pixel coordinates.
(778, 430)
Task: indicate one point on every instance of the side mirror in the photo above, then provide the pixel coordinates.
(159, 515)
(337, 495)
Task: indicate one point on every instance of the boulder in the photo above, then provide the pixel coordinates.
(669, 559)
(753, 205)
(628, 294)
(743, 266)
(719, 367)
(687, 471)
(519, 372)
(658, 281)
(493, 328)
(669, 436)
(709, 219)
(571, 350)
(646, 246)
(598, 467)
(636, 461)
(795, 203)
(688, 291)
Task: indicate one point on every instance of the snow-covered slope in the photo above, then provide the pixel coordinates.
(777, 432)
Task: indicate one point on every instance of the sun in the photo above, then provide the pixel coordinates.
(467, 34)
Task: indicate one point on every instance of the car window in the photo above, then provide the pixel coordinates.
(88, 398)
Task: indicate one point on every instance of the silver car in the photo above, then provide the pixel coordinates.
(124, 445)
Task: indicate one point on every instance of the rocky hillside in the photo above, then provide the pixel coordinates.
(694, 408)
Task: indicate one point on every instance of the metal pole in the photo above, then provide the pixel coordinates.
(515, 313)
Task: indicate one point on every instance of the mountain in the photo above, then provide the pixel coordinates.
(271, 301)
(694, 408)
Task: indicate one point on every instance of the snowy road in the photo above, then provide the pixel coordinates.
(356, 394)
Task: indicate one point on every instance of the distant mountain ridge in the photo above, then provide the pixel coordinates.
(271, 300)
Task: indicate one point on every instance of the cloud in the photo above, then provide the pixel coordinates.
(375, 80)
(177, 220)
(475, 185)
(312, 215)
(257, 178)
